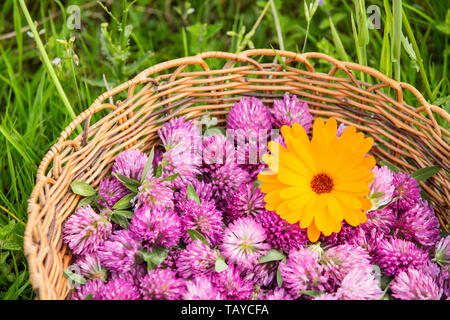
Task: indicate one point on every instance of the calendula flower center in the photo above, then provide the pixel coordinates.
(322, 183)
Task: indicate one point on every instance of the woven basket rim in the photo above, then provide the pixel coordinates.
(143, 77)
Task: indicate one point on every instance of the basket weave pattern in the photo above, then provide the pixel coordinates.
(403, 135)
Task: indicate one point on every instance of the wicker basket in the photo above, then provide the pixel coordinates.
(403, 135)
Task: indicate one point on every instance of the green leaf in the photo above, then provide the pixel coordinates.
(337, 42)
(425, 173)
(441, 100)
(444, 233)
(148, 165)
(423, 194)
(192, 194)
(307, 14)
(120, 220)
(196, 235)
(256, 184)
(76, 278)
(279, 277)
(9, 239)
(124, 202)
(133, 67)
(129, 183)
(387, 204)
(311, 293)
(280, 60)
(220, 265)
(87, 201)
(385, 284)
(82, 188)
(158, 171)
(272, 255)
(16, 289)
(377, 195)
(443, 27)
(363, 34)
(124, 213)
(88, 297)
(172, 177)
(154, 257)
(390, 166)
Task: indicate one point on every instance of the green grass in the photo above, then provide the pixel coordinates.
(118, 39)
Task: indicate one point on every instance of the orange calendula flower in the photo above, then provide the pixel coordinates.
(318, 183)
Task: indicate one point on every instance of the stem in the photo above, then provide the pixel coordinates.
(47, 62)
(252, 31)
(306, 37)
(385, 290)
(397, 35)
(358, 48)
(445, 57)
(122, 35)
(337, 41)
(423, 74)
(185, 45)
(70, 53)
(277, 27)
(12, 215)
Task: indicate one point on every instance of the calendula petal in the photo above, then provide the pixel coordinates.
(302, 152)
(268, 188)
(308, 214)
(318, 125)
(300, 134)
(295, 164)
(366, 146)
(356, 141)
(366, 203)
(351, 217)
(322, 222)
(348, 132)
(273, 197)
(337, 227)
(286, 130)
(368, 164)
(270, 206)
(313, 233)
(291, 192)
(352, 186)
(361, 216)
(292, 217)
(283, 208)
(330, 129)
(335, 208)
(272, 162)
(300, 201)
(319, 183)
(276, 149)
(267, 177)
(289, 177)
(348, 199)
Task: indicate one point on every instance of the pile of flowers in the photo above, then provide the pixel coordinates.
(204, 218)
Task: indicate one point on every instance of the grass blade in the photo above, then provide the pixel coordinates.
(337, 42)
(416, 49)
(397, 36)
(47, 63)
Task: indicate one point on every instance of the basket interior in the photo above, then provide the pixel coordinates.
(395, 115)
